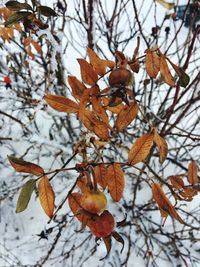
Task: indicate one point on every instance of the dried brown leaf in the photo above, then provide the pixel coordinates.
(46, 196)
(61, 103)
(141, 148)
(162, 146)
(115, 181)
(88, 74)
(126, 116)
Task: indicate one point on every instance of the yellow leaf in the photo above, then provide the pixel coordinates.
(140, 150)
(166, 4)
(24, 166)
(77, 87)
(46, 196)
(164, 203)
(88, 74)
(152, 63)
(126, 116)
(162, 146)
(164, 70)
(115, 181)
(192, 173)
(61, 103)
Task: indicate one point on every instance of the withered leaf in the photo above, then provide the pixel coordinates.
(108, 243)
(184, 79)
(88, 74)
(166, 4)
(77, 87)
(164, 203)
(126, 116)
(118, 238)
(141, 148)
(176, 181)
(115, 181)
(165, 72)
(100, 174)
(192, 173)
(162, 146)
(24, 166)
(25, 195)
(152, 63)
(61, 103)
(96, 62)
(46, 196)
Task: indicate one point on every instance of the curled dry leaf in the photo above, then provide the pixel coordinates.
(77, 87)
(25, 195)
(88, 74)
(192, 173)
(165, 72)
(61, 103)
(162, 146)
(164, 204)
(24, 166)
(118, 238)
(115, 181)
(126, 116)
(108, 243)
(176, 181)
(152, 63)
(141, 148)
(46, 196)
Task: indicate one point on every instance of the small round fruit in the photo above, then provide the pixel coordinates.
(119, 76)
(94, 201)
(102, 225)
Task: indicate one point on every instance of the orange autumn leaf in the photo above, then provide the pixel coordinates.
(46, 196)
(77, 87)
(164, 203)
(99, 109)
(114, 109)
(100, 175)
(162, 146)
(165, 72)
(96, 62)
(61, 103)
(152, 63)
(176, 181)
(24, 166)
(93, 124)
(192, 173)
(115, 181)
(126, 116)
(141, 148)
(88, 74)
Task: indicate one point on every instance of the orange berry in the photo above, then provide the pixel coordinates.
(102, 225)
(93, 201)
(119, 76)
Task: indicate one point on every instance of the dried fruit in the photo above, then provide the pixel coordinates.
(119, 76)
(102, 225)
(94, 201)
